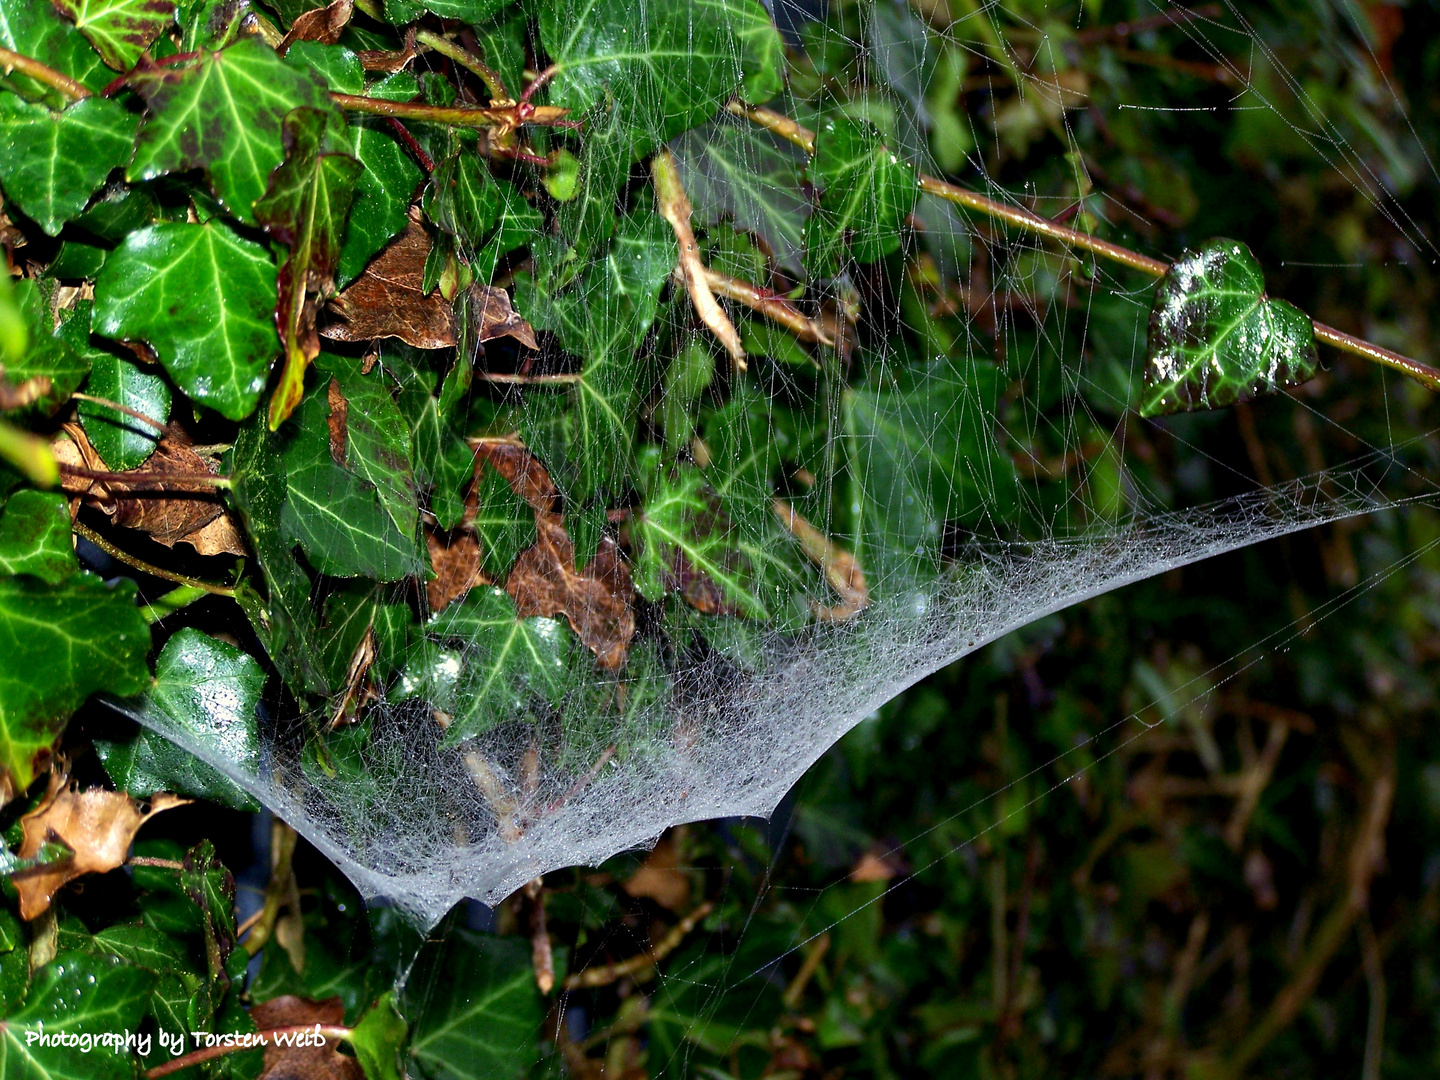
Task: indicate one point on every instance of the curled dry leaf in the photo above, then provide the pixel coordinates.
(840, 567)
(388, 299)
(498, 317)
(660, 878)
(322, 1062)
(522, 470)
(24, 394)
(97, 825)
(323, 24)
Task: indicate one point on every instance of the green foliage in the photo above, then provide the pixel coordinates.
(123, 441)
(1217, 339)
(35, 537)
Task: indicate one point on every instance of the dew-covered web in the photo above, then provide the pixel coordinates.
(967, 460)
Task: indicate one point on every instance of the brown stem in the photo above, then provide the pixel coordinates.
(773, 307)
(160, 864)
(527, 380)
(840, 568)
(172, 480)
(453, 115)
(148, 568)
(593, 978)
(283, 840)
(258, 1038)
(468, 60)
(777, 124)
(1421, 373)
(13, 61)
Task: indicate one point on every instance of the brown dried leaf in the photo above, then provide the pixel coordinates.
(339, 429)
(498, 317)
(840, 567)
(27, 392)
(598, 601)
(387, 300)
(220, 537)
(72, 448)
(660, 878)
(97, 825)
(522, 470)
(389, 62)
(304, 1062)
(169, 514)
(324, 24)
(456, 562)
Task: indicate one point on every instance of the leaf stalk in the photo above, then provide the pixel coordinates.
(144, 567)
(13, 61)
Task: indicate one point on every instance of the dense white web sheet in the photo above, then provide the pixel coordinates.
(420, 827)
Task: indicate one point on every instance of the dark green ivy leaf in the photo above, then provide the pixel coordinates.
(480, 1012)
(1217, 339)
(866, 191)
(51, 163)
(35, 537)
(503, 521)
(378, 440)
(205, 690)
(463, 199)
(482, 666)
(79, 636)
(38, 31)
(333, 512)
(77, 993)
(121, 440)
(61, 356)
(204, 298)
(222, 113)
(120, 30)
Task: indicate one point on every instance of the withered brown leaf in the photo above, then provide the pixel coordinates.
(523, 471)
(599, 601)
(322, 24)
(498, 317)
(322, 1062)
(455, 558)
(388, 301)
(339, 428)
(97, 825)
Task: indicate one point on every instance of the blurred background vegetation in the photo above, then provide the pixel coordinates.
(1189, 829)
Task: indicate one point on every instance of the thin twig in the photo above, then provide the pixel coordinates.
(169, 480)
(774, 307)
(453, 115)
(839, 566)
(468, 60)
(148, 568)
(417, 151)
(593, 978)
(13, 61)
(161, 864)
(519, 379)
(134, 414)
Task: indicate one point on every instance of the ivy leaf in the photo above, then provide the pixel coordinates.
(443, 460)
(205, 692)
(388, 179)
(51, 163)
(666, 72)
(377, 439)
(866, 191)
(463, 198)
(35, 537)
(123, 441)
(304, 208)
(82, 636)
(921, 455)
(738, 171)
(377, 1039)
(203, 298)
(38, 31)
(61, 356)
(502, 521)
(603, 319)
(516, 223)
(1215, 337)
(284, 622)
(480, 1013)
(506, 664)
(222, 113)
(357, 608)
(120, 30)
(333, 513)
(77, 993)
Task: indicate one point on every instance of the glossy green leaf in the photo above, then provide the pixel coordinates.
(516, 223)
(666, 72)
(283, 620)
(35, 537)
(470, 11)
(504, 665)
(921, 455)
(76, 994)
(121, 440)
(222, 113)
(481, 1011)
(80, 636)
(210, 24)
(866, 191)
(204, 299)
(39, 31)
(443, 460)
(205, 691)
(739, 172)
(60, 355)
(51, 163)
(378, 439)
(76, 261)
(587, 438)
(1217, 339)
(358, 607)
(333, 512)
(120, 30)
(377, 1040)
(463, 198)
